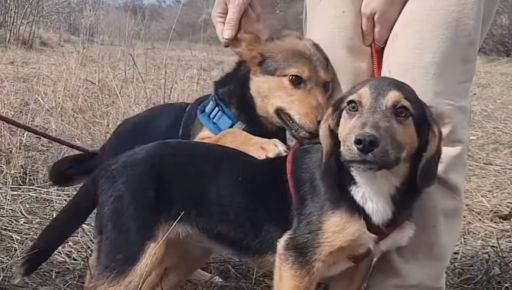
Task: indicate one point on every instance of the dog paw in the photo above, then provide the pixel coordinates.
(282, 149)
(269, 148)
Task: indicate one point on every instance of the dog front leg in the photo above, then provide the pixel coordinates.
(289, 272)
(313, 251)
(257, 147)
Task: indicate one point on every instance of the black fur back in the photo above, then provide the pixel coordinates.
(162, 122)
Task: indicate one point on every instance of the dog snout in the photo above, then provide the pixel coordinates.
(366, 142)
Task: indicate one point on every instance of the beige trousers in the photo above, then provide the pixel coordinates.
(433, 47)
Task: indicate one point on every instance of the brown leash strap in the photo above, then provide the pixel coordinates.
(43, 134)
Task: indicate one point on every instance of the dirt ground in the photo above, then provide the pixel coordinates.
(81, 95)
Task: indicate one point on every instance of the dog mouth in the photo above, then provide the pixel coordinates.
(294, 128)
(369, 165)
(361, 163)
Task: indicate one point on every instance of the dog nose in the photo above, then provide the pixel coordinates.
(366, 142)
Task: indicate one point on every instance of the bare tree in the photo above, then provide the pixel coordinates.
(22, 20)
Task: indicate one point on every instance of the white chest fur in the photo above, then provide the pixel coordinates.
(374, 191)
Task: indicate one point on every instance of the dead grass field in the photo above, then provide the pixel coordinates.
(82, 95)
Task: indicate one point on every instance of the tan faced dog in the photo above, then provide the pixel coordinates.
(381, 149)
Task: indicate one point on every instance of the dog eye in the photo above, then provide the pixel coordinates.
(352, 107)
(296, 81)
(402, 113)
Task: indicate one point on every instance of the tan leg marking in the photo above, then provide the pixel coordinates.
(288, 276)
(341, 236)
(257, 147)
(182, 259)
(168, 260)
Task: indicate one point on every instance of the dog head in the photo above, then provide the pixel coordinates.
(291, 79)
(381, 124)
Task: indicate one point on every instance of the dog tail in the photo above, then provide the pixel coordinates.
(60, 228)
(72, 169)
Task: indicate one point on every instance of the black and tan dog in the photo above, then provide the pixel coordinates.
(164, 208)
(278, 85)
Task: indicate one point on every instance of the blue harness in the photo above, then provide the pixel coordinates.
(216, 116)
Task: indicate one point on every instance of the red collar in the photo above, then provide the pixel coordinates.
(381, 232)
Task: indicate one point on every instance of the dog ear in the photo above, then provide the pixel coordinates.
(427, 169)
(327, 131)
(336, 88)
(250, 38)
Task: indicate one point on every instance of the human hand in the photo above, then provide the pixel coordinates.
(227, 14)
(378, 18)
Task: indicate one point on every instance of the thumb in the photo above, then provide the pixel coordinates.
(368, 26)
(231, 26)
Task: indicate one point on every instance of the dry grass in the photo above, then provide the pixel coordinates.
(483, 258)
(83, 95)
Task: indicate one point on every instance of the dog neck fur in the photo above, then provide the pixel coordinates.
(374, 191)
(234, 91)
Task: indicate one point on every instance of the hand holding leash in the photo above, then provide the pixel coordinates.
(378, 18)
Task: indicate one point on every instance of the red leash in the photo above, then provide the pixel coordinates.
(375, 61)
(289, 159)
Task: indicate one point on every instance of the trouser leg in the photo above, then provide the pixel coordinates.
(433, 48)
(336, 26)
